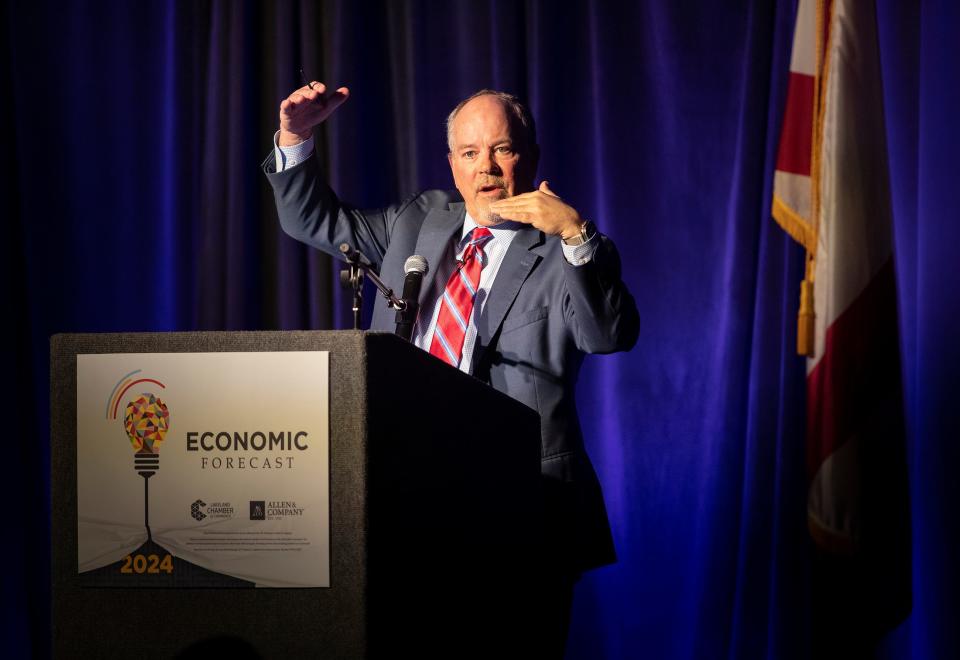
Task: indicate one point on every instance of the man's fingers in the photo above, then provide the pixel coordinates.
(297, 100)
(309, 106)
(514, 204)
(318, 95)
(517, 200)
(535, 197)
(513, 212)
(516, 216)
(306, 96)
(317, 91)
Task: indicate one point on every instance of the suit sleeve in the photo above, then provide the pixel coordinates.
(599, 311)
(312, 213)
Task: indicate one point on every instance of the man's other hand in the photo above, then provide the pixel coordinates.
(305, 108)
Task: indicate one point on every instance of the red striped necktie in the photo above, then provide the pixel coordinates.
(456, 307)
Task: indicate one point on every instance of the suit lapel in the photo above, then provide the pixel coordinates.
(436, 235)
(519, 260)
(438, 232)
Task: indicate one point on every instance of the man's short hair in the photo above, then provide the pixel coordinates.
(517, 112)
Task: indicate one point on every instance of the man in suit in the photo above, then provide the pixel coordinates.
(519, 288)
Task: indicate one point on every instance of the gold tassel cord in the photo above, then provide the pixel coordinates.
(806, 318)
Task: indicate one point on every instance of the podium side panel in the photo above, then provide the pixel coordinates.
(454, 493)
(164, 623)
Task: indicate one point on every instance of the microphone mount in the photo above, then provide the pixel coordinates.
(352, 277)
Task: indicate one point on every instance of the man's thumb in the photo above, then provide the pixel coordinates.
(544, 188)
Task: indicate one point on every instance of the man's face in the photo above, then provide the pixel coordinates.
(488, 160)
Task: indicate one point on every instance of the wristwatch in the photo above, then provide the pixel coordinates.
(587, 230)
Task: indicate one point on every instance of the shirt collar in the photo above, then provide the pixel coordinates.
(501, 232)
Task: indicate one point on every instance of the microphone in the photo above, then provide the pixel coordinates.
(415, 267)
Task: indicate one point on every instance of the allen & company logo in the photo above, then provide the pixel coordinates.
(274, 510)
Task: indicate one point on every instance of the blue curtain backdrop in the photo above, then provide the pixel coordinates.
(134, 202)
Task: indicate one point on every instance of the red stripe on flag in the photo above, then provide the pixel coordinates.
(796, 137)
(856, 385)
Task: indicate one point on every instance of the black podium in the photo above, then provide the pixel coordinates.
(434, 506)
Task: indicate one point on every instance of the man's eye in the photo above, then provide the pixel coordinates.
(505, 150)
(469, 154)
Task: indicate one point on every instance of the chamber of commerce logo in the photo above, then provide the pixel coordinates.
(146, 421)
(258, 510)
(196, 510)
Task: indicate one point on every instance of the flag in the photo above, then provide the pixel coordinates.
(832, 194)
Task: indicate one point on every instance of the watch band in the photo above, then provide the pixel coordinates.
(587, 230)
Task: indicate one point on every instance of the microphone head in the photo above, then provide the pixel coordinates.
(416, 264)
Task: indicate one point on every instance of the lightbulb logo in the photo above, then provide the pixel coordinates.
(146, 421)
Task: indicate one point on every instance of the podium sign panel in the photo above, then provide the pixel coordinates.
(203, 469)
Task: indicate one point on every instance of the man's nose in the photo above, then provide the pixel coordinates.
(488, 164)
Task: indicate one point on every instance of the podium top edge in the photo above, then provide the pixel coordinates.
(213, 341)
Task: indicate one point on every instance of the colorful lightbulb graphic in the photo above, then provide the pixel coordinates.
(146, 422)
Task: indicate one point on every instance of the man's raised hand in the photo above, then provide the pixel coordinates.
(305, 108)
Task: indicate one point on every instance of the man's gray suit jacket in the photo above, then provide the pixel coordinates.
(542, 315)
